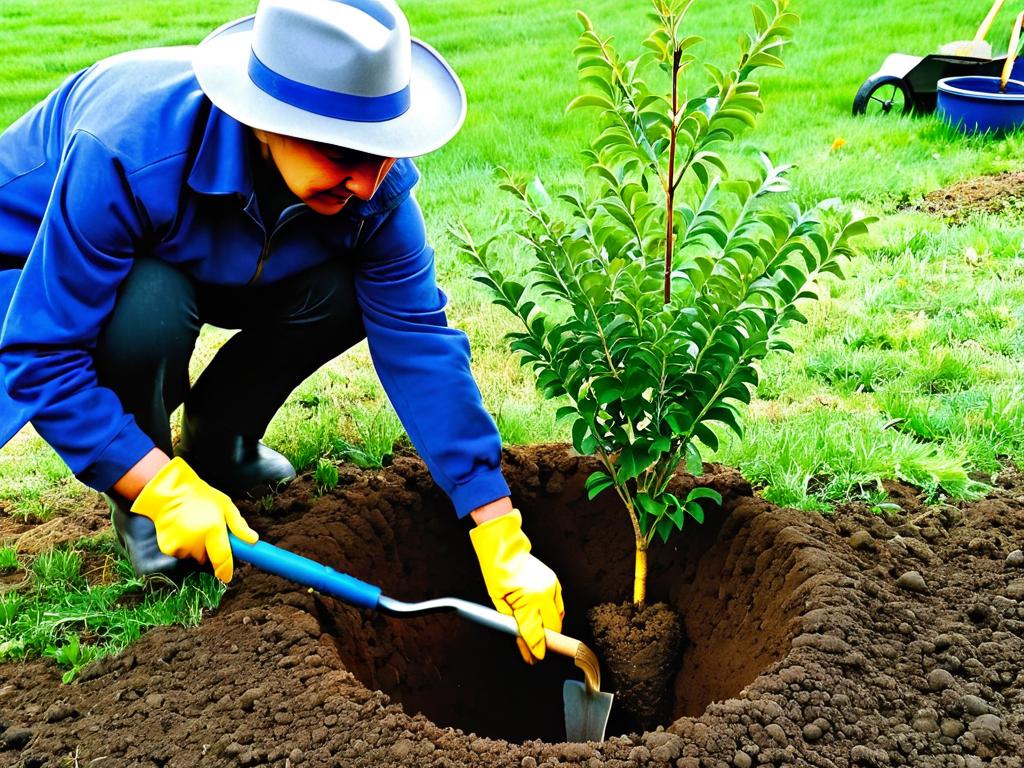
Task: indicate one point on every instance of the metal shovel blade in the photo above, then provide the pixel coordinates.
(586, 713)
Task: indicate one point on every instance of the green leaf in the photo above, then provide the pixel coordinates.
(633, 459)
(651, 506)
(706, 436)
(12, 649)
(607, 389)
(725, 414)
(658, 42)
(764, 60)
(703, 492)
(675, 512)
(582, 440)
(689, 41)
(591, 100)
(664, 529)
(693, 509)
(760, 19)
(565, 412)
(694, 465)
(796, 275)
(597, 482)
(538, 193)
(600, 83)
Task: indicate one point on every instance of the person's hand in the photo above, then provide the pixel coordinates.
(192, 518)
(518, 583)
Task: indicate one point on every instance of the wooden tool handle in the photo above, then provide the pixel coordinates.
(582, 656)
(1011, 54)
(561, 644)
(987, 23)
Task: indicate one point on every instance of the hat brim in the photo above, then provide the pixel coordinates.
(436, 112)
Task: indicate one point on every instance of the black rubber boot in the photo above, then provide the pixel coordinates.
(234, 464)
(137, 536)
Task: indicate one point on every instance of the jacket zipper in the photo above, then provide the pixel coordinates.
(267, 241)
(265, 251)
(263, 257)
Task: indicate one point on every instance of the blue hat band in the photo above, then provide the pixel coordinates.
(343, 106)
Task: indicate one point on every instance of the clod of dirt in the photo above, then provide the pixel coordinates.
(16, 738)
(912, 581)
(640, 648)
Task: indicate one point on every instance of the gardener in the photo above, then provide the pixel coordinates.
(250, 182)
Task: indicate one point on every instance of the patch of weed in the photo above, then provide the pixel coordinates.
(60, 615)
(57, 569)
(325, 475)
(9, 559)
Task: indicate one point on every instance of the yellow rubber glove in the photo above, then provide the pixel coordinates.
(518, 583)
(192, 518)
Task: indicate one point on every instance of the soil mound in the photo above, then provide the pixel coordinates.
(984, 194)
(808, 641)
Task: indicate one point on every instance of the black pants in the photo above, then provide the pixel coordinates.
(287, 330)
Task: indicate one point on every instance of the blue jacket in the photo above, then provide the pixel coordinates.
(129, 157)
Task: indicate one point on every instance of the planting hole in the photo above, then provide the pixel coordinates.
(731, 589)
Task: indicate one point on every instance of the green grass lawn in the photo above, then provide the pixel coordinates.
(911, 368)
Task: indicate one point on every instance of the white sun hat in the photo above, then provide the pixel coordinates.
(341, 72)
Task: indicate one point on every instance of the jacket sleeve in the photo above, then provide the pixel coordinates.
(88, 236)
(423, 364)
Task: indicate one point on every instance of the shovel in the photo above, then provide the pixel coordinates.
(978, 47)
(586, 707)
(1011, 53)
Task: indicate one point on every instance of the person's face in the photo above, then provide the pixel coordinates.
(324, 177)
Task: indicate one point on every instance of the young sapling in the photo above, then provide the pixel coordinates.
(656, 289)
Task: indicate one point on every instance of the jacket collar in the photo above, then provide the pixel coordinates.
(221, 167)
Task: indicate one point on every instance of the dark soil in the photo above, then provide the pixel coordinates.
(640, 649)
(812, 641)
(1000, 193)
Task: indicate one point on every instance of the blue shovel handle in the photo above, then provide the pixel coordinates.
(309, 573)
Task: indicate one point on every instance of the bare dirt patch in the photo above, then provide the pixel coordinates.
(30, 537)
(1000, 193)
(809, 641)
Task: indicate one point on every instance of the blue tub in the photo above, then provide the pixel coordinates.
(975, 104)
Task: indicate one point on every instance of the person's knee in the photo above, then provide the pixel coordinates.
(328, 308)
(154, 319)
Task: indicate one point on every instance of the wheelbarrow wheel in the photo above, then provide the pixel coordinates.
(883, 95)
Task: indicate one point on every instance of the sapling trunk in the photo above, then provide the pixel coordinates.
(670, 186)
(640, 574)
(640, 542)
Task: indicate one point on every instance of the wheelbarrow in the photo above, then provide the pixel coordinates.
(906, 83)
(586, 707)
